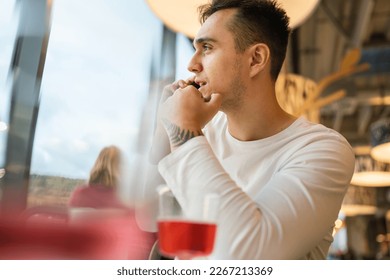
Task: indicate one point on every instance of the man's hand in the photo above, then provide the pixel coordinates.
(170, 89)
(161, 143)
(185, 113)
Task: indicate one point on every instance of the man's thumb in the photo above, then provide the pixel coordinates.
(215, 100)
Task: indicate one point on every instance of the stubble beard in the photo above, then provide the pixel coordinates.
(233, 101)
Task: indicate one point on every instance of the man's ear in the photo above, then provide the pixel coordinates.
(260, 58)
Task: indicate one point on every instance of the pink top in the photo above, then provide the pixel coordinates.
(95, 196)
(126, 239)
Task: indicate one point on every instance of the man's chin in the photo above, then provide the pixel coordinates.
(206, 98)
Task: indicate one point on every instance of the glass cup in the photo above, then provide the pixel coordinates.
(190, 233)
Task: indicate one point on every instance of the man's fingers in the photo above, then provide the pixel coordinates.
(167, 92)
(215, 100)
(182, 83)
(170, 89)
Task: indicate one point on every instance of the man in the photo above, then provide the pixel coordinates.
(280, 179)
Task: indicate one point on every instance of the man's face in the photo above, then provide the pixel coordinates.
(216, 64)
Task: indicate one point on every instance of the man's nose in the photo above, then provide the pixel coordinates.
(194, 65)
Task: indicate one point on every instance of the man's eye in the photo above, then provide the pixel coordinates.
(206, 47)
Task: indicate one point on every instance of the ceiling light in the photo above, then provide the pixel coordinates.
(182, 16)
(380, 140)
(356, 209)
(368, 171)
(381, 152)
(371, 179)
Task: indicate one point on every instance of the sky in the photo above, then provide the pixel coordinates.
(95, 81)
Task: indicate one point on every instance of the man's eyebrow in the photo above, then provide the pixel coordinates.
(202, 40)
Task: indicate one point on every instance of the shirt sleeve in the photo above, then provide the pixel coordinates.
(287, 218)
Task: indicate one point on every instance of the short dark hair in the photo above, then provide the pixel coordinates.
(256, 21)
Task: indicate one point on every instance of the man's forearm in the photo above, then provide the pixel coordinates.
(178, 135)
(160, 145)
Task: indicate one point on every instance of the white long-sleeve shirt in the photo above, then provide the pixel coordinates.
(279, 196)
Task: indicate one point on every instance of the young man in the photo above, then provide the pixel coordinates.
(280, 180)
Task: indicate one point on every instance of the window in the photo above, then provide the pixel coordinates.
(8, 29)
(94, 87)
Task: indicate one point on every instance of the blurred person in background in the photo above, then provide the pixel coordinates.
(97, 204)
(101, 190)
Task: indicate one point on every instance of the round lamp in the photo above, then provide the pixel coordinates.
(368, 171)
(182, 16)
(371, 179)
(357, 209)
(380, 140)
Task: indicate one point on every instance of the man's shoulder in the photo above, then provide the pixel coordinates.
(322, 138)
(312, 128)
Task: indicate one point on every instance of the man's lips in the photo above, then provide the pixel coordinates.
(198, 86)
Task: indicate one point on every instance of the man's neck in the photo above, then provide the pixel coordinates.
(257, 119)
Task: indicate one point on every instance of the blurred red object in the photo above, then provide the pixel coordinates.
(97, 235)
